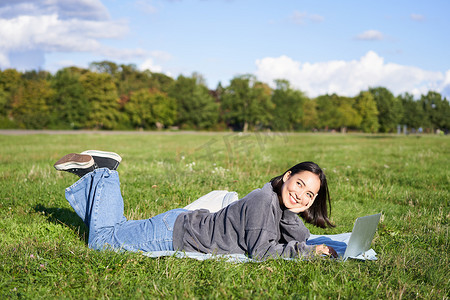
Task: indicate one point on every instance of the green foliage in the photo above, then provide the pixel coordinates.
(390, 110)
(105, 66)
(288, 103)
(36, 75)
(336, 112)
(129, 79)
(147, 108)
(196, 107)
(310, 118)
(414, 115)
(246, 103)
(164, 109)
(326, 108)
(70, 106)
(346, 114)
(3, 102)
(101, 94)
(10, 83)
(437, 110)
(43, 249)
(31, 110)
(159, 81)
(99, 98)
(367, 109)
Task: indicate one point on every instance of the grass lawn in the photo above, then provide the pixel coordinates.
(43, 248)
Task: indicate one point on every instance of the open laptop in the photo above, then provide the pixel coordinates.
(362, 235)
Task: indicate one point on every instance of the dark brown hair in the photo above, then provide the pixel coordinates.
(317, 214)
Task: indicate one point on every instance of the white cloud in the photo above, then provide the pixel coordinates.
(417, 17)
(59, 26)
(65, 9)
(302, 17)
(370, 35)
(52, 33)
(447, 78)
(348, 78)
(71, 26)
(148, 64)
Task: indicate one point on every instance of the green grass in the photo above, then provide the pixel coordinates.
(43, 250)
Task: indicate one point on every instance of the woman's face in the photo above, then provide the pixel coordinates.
(299, 190)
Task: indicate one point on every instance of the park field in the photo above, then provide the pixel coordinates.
(43, 249)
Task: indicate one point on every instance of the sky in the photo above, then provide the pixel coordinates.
(321, 46)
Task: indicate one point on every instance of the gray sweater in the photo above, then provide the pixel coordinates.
(255, 225)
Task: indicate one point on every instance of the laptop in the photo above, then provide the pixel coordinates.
(362, 235)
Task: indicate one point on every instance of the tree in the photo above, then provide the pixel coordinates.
(347, 116)
(138, 109)
(5, 110)
(101, 94)
(337, 112)
(160, 81)
(367, 109)
(164, 109)
(36, 75)
(437, 110)
(326, 111)
(10, 90)
(413, 113)
(310, 116)
(3, 102)
(70, 106)
(246, 103)
(31, 110)
(196, 108)
(147, 108)
(390, 110)
(288, 103)
(105, 66)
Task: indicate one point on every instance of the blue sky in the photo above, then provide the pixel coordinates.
(319, 46)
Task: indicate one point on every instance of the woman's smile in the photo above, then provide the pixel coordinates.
(299, 190)
(293, 199)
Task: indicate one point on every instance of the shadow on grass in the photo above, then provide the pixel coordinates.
(65, 217)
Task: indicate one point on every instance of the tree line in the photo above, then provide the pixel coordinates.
(111, 96)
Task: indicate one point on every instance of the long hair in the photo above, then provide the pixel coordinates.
(317, 214)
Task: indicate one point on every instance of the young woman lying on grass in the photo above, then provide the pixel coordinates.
(264, 224)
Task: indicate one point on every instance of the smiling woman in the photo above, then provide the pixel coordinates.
(299, 190)
(264, 224)
(303, 189)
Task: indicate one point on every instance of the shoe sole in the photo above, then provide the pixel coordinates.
(74, 161)
(104, 154)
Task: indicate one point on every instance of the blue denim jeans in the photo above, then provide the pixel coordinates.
(97, 200)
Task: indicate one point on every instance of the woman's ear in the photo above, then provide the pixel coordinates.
(286, 176)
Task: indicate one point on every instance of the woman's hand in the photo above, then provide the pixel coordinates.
(326, 250)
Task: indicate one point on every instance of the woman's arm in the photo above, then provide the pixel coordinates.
(262, 244)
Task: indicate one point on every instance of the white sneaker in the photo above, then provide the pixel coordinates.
(79, 164)
(104, 159)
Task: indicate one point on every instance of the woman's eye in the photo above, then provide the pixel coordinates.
(310, 196)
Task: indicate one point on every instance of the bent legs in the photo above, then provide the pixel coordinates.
(97, 200)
